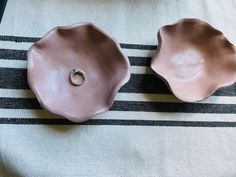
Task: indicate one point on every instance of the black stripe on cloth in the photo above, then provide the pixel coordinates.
(140, 61)
(18, 38)
(2, 8)
(22, 55)
(138, 83)
(13, 78)
(13, 54)
(116, 122)
(26, 103)
(138, 46)
(35, 39)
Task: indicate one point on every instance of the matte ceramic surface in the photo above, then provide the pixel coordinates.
(194, 59)
(85, 47)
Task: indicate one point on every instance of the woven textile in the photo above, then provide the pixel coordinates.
(147, 132)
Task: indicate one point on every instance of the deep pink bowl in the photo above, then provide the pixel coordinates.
(87, 48)
(194, 59)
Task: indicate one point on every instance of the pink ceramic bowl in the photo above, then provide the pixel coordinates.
(194, 59)
(75, 71)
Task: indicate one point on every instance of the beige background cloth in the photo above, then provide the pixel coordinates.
(172, 150)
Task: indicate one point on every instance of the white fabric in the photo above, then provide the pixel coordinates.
(133, 21)
(108, 150)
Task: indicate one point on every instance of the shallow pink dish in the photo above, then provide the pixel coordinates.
(194, 59)
(75, 71)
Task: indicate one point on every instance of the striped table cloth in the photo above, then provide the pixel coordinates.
(147, 132)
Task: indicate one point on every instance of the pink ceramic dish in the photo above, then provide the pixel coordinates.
(76, 71)
(194, 59)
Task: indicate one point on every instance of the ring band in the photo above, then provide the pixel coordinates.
(78, 72)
